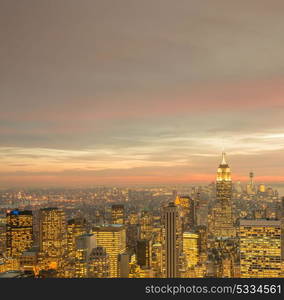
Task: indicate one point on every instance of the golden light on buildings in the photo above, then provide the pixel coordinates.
(113, 239)
(19, 234)
(53, 237)
(190, 248)
(260, 248)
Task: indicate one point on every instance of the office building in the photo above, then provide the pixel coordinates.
(117, 214)
(113, 239)
(19, 232)
(260, 248)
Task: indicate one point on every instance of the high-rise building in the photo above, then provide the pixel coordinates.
(117, 214)
(171, 243)
(146, 225)
(113, 239)
(2, 233)
(222, 218)
(85, 243)
(187, 210)
(19, 232)
(53, 237)
(260, 248)
(123, 265)
(75, 228)
(99, 264)
(202, 243)
(157, 259)
(190, 248)
(144, 253)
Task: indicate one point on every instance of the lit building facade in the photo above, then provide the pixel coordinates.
(146, 225)
(99, 264)
(191, 248)
(53, 232)
(113, 239)
(222, 217)
(19, 232)
(187, 210)
(117, 214)
(260, 248)
(75, 228)
(85, 244)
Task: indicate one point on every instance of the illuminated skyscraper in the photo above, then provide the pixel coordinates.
(171, 243)
(187, 209)
(157, 259)
(53, 237)
(222, 212)
(117, 214)
(113, 239)
(75, 228)
(260, 248)
(2, 234)
(202, 243)
(19, 232)
(191, 248)
(85, 243)
(146, 225)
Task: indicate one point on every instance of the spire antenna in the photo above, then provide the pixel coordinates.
(223, 158)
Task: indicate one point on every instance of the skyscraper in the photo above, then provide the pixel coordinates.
(187, 209)
(2, 233)
(113, 239)
(260, 248)
(85, 243)
(19, 232)
(99, 264)
(191, 248)
(146, 225)
(144, 253)
(222, 217)
(117, 214)
(171, 243)
(75, 228)
(53, 237)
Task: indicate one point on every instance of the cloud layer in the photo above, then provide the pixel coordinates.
(108, 92)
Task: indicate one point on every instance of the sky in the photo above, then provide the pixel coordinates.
(140, 92)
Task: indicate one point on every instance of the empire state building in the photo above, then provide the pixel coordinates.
(223, 226)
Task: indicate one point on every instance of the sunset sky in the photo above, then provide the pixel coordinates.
(131, 91)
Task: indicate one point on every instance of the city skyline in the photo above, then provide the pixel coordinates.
(216, 231)
(98, 92)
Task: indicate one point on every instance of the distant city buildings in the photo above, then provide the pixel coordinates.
(224, 229)
(117, 214)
